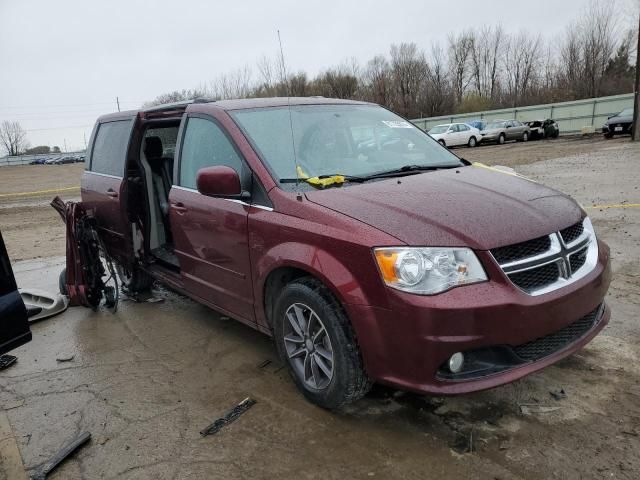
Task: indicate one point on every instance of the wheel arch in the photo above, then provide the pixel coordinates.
(277, 270)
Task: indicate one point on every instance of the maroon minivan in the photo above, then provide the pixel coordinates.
(368, 251)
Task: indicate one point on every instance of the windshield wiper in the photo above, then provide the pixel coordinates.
(408, 170)
(323, 181)
(327, 180)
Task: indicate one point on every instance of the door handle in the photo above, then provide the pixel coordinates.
(179, 208)
(112, 193)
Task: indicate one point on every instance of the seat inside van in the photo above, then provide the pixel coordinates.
(156, 159)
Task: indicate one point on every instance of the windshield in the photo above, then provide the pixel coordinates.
(439, 129)
(356, 140)
(495, 125)
(627, 112)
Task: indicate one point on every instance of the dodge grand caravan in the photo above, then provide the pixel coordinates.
(367, 250)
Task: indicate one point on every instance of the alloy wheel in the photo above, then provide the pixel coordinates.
(308, 346)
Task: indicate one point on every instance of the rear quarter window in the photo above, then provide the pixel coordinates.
(110, 147)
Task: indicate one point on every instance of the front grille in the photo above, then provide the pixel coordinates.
(518, 251)
(549, 344)
(536, 278)
(578, 259)
(571, 233)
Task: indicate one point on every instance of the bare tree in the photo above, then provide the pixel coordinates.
(459, 53)
(486, 48)
(520, 62)
(378, 81)
(409, 70)
(13, 138)
(439, 99)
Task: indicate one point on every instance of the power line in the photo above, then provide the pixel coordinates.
(6, 107)
(58, 128)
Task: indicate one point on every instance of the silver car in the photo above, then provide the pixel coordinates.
(499, 131)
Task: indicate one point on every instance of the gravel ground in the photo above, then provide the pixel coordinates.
(145, 380)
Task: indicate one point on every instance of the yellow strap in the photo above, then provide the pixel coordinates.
(325, 182)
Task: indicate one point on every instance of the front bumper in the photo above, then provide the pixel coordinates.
(406, 345)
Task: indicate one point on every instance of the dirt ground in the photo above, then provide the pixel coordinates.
(146, 380)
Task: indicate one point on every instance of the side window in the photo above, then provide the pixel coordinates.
(463, 128)
(110, 147)
(205, 145)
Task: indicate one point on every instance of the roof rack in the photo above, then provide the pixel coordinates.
(183, 103)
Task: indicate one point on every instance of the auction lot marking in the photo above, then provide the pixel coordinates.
(39, 192)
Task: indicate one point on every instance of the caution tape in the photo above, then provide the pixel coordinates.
(615, 205)
(39, 192)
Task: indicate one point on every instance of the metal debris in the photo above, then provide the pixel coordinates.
(558, 394)
(65, 357)
(228, 417)
(6, 361)
(59, 457)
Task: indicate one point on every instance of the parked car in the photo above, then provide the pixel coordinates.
(455, 134)
(14, 330)
(64, 160)
(394, 262)
(619, 124)
(543, 129)
(51, 160)
(499, 131)
(38, 161)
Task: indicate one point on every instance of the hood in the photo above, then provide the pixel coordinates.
(619, 119)
(468, 206)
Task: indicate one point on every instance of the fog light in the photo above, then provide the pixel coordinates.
(456, 362)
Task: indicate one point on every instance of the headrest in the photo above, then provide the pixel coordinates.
(152, 147)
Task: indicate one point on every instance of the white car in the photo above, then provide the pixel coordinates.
(454, 134)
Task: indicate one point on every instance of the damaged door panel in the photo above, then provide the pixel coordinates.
(89, 268)
(14, 324)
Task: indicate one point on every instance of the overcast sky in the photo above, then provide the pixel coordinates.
(63, 62)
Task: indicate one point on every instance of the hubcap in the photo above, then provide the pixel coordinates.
(308, 346)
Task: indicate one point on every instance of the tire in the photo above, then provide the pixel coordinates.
(62, 282)
(441, 142)
(135, 281)
(525, 137)
(339, 376)
(472, 142)
(608, 135)
(501, 139)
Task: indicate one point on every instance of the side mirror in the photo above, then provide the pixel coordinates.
(218, 181)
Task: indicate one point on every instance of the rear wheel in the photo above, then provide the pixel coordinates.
(315, 340)
(135, 280)
(501, 139)
(472, 142)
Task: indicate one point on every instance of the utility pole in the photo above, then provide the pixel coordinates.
(65, 145)
(118, 103)
(635, 132)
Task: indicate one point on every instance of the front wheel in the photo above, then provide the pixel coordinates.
(472, 142)
(315, 340)
(501, 139)
(525, 137)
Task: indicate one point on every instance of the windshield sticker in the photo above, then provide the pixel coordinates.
(397, 124)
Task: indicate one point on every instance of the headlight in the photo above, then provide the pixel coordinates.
(428, 270)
